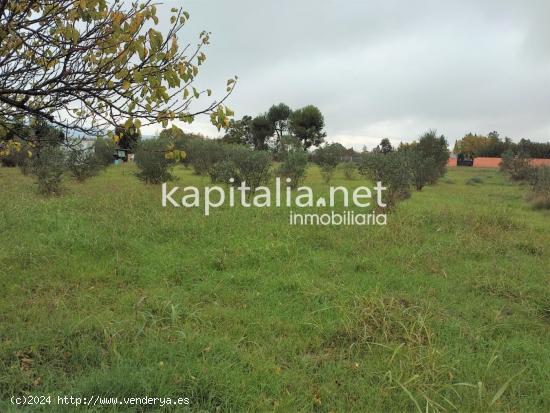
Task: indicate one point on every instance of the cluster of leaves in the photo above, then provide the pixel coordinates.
(426, 158)
(349, 168)
(92, 65)
(241, 164)
(294, 166)
(416, 164)
(204, 154)
(180, 142)
(328, 157)
(540, 188)
(519, 168)
(492, 146)
(155, 159)
(393, 170)
(83, 164)
(266, 131)
(48, 166)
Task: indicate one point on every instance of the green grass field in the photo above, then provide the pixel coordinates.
(447, 308)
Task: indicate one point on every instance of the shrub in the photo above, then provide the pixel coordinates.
(424, 168)
(286, 144)
(16, 155)
(393, 170)
(204, 154)
(152, 162)
(328, 157)
(349, 169)
(517, 166)
(180, 141)
(435, 152)
(82, 164)
(104, 150)
(253, 166)
(223, 171)
(242, 164)
(48, 166)
(539, 196)
(294, 167)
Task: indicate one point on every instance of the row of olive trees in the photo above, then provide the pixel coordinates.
(519, 168)
(412, 165)
(51, 161)
(228, 164)
(47, 154)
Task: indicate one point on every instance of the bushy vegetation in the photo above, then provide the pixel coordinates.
(539, 196)
(266, 130)
(294, 167)
(48, 166)
(104, 150)
(328, 157)
(17, 156)
(416, 164)
(516, 166)
(253, 166)
(203, 154)
(243, 165)
(350, 169)
(180, 140)
(153, 163)
(393, 170)
(424, 169)
(427, 159)
(83, 164)
(492, 146)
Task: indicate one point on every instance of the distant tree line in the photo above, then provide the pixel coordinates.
(277, 127)
(492, 146)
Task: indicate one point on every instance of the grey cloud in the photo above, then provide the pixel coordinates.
(385, 68)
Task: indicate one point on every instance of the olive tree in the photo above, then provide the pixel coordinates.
(328, 157)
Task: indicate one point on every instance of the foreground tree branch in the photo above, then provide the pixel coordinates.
(89, 65)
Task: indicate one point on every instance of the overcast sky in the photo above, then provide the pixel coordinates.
(383, 68)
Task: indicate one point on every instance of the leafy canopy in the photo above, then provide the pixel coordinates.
(308, 124)
(90, 65)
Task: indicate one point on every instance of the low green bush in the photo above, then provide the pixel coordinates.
(539, 196)
(252, 166)
(242, 164)
(294, 166)
(152, 161)
(203, 154)
(328, 157)
(223, 171)
(516, 166)
(350, 170)
(393, 171)
(48, 166)
(83, 164)
(104, 150)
